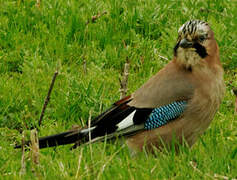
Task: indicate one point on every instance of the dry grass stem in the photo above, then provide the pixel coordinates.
(34, 146)
(79, 163)
(218, 176)
(162, 57)
(152, 170)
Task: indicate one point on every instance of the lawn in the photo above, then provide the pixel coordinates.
(88, 43)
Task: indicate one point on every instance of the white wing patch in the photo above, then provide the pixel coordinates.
(128, 121)
(87, 130)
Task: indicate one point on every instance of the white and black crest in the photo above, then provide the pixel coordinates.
(193, 27)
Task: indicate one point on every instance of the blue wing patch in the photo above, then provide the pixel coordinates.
(162, 115)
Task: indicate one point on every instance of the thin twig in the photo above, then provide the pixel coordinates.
(94, 18)
(23, 167)
(47, 98)
(124, 82)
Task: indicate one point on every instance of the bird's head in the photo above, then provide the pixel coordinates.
(195, 43)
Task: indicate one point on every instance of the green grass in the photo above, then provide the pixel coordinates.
(35, 42)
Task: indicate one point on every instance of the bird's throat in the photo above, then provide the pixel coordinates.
(188, 57)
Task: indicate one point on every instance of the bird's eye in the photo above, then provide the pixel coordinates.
(202, 38)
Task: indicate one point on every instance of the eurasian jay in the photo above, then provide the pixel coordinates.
(179, 101)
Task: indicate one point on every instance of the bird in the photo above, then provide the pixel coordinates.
(179, 101)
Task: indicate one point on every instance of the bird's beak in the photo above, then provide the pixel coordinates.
(184, 43)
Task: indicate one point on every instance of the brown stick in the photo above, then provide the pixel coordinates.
(34, 146)
(47, 98)
(124, 82)
(35, 152)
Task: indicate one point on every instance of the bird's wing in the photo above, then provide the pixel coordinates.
(162, 99)
(172, 83)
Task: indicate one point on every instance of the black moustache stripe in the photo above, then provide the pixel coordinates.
(201, 50)
(175, 49)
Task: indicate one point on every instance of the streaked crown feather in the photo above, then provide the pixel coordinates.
(194, 27)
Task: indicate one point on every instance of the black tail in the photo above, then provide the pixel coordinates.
(80, 137)
(104, 126)
(64, 138)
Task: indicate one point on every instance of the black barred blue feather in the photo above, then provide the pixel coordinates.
(162, 115)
